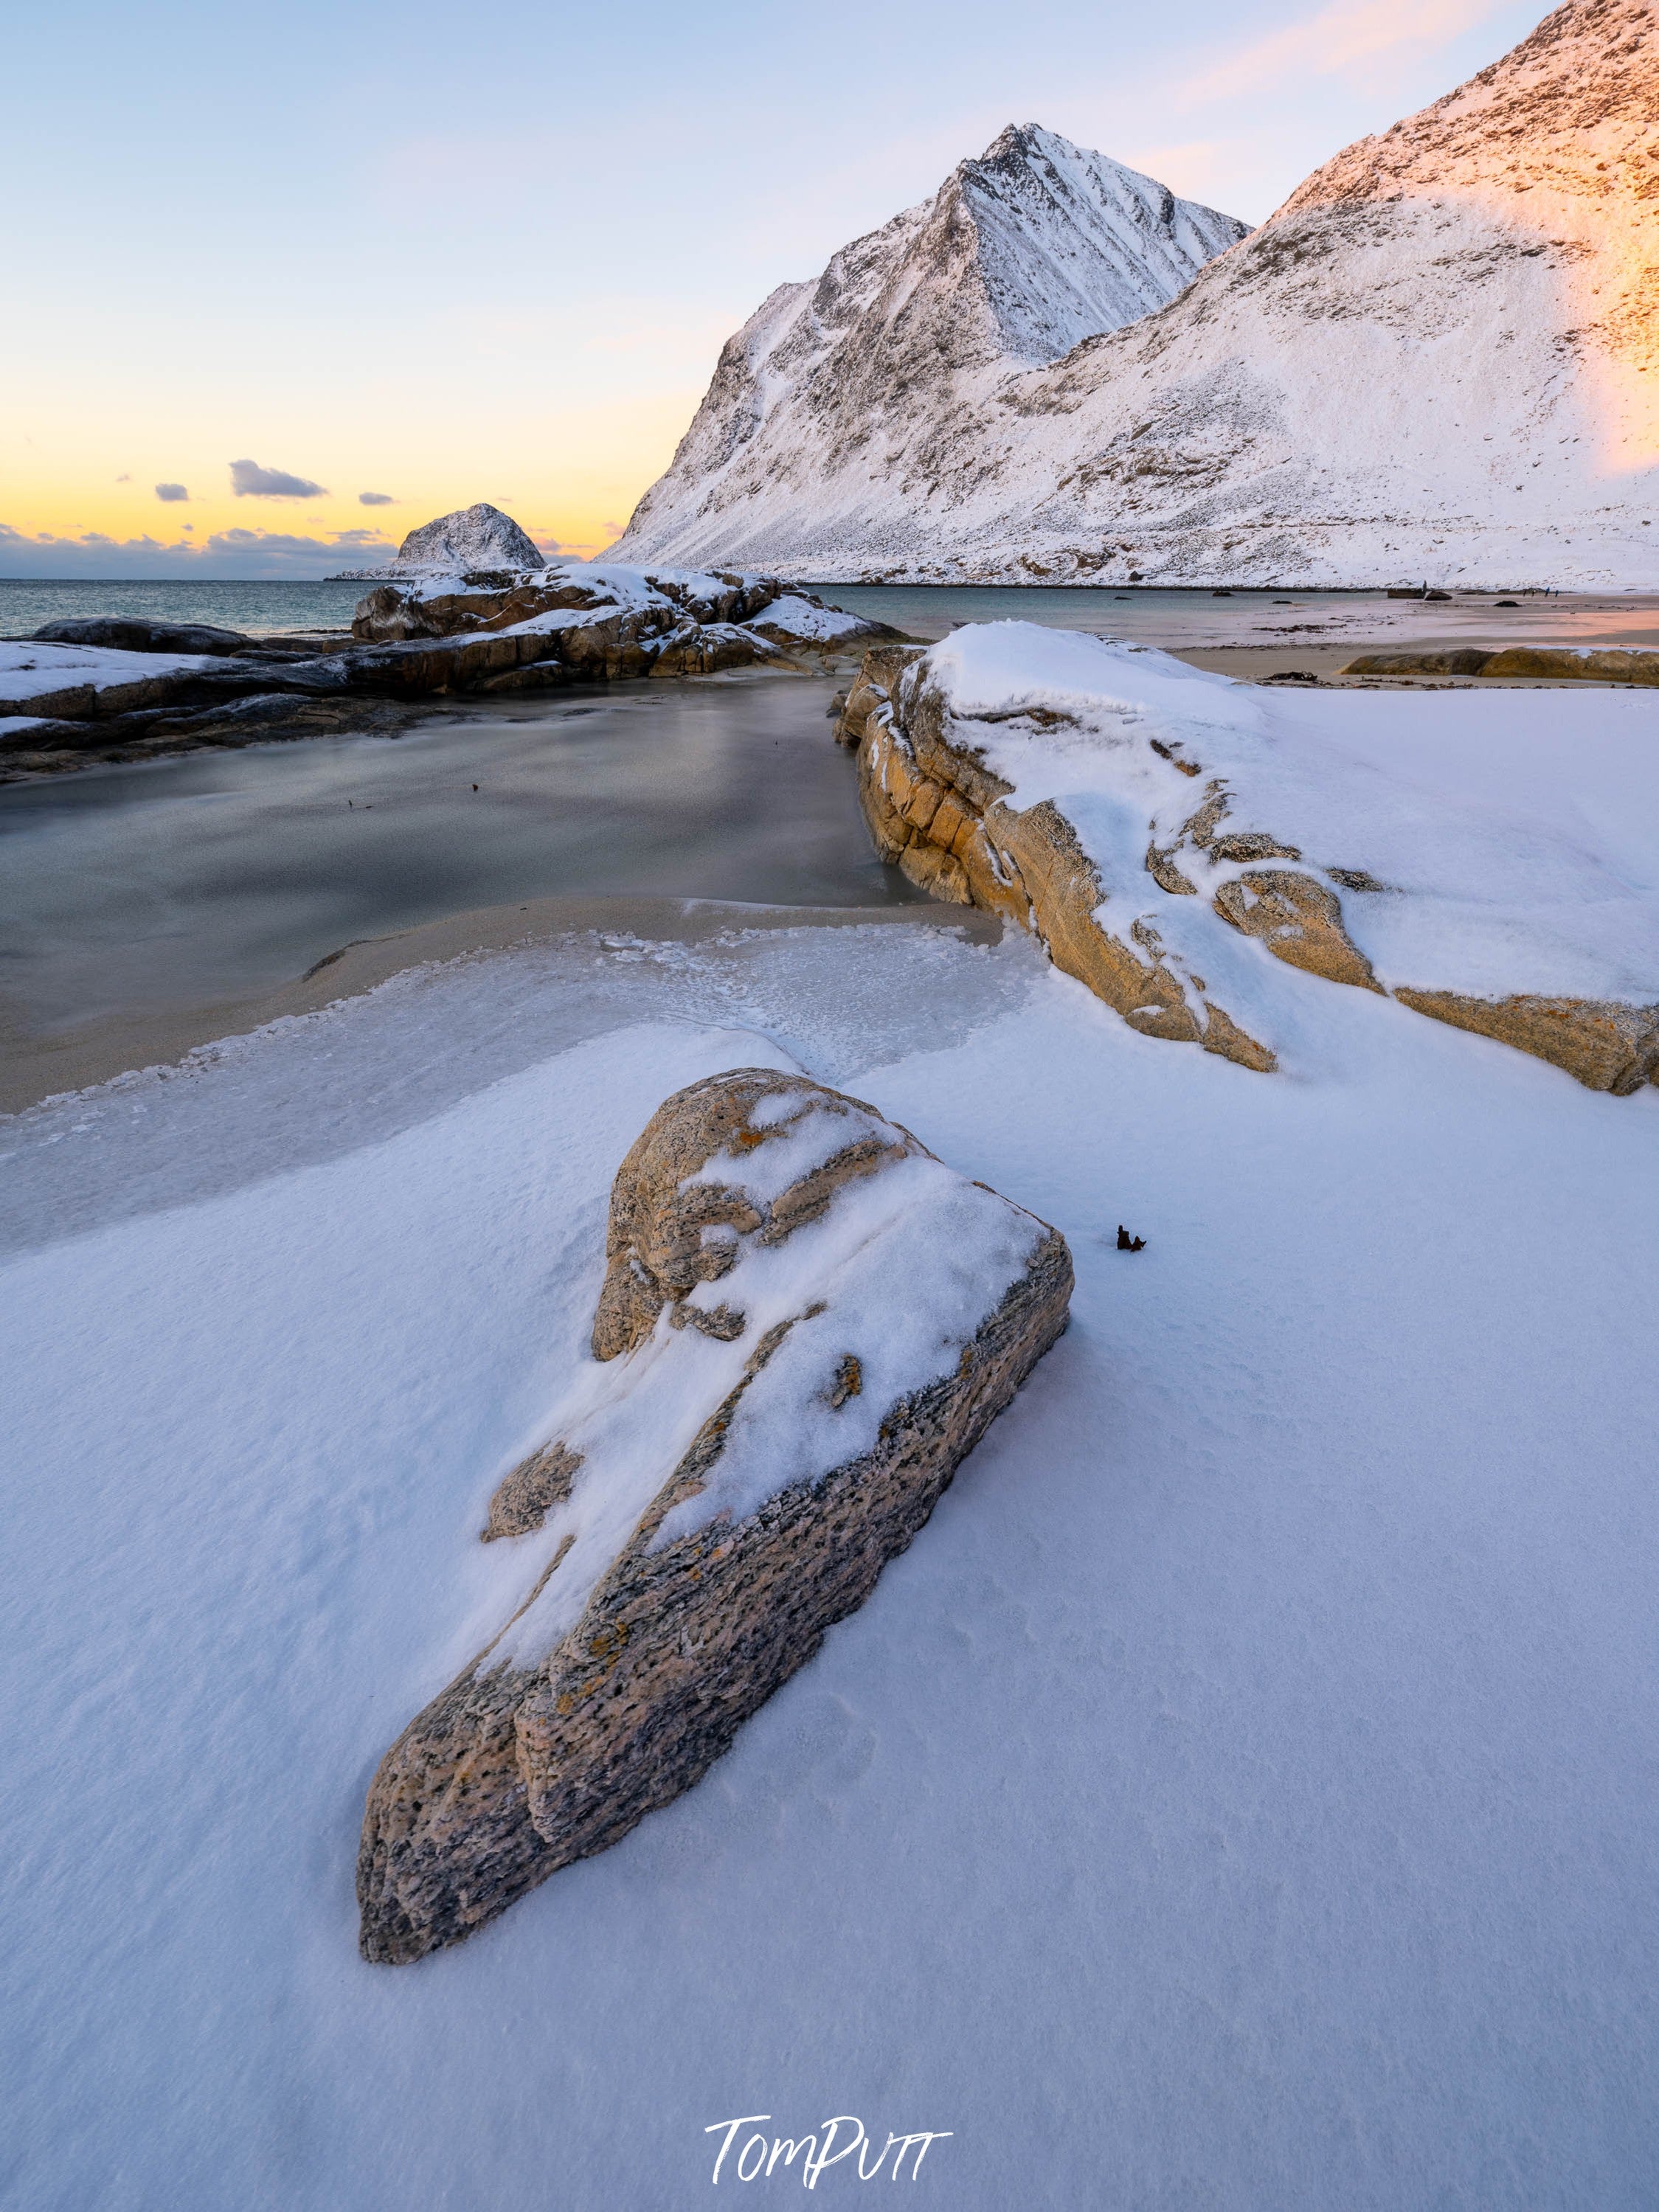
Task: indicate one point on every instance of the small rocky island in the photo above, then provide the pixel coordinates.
(469, 607)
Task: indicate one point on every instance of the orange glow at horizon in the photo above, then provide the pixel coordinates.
(570, 477)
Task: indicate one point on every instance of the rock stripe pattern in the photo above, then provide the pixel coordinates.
(936, 811)
(514, 1770)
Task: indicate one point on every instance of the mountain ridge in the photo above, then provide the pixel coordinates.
(1020, 253)
(1436, 358)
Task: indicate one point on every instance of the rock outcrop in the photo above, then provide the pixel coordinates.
(479, 537)
(807, 1321)
(1106, 798)
(132, 633)
(117, 688)
(575, 619)
(936, 808)
(1438, 359)
(1584, 664)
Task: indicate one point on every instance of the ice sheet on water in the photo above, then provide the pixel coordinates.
(842, 999)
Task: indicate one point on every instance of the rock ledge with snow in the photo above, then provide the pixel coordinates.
(1162, 829)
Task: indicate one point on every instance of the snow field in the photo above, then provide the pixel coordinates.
(1242, 1793)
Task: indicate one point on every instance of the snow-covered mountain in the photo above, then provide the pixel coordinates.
(824, 410)
(1438, 358)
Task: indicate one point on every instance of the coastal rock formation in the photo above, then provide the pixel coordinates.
(1438, 359)
(1581, 663)
(575, 619)
(132, 633)
(807, 1321)
(1108, 797)
(479, 537)
(121, 689)
(939, 808)
(830, 411)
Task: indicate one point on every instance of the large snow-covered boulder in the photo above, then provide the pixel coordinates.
(806, 1321)
(826, 426)
(1162, 829)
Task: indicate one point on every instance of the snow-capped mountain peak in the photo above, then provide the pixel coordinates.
(835, 387)
(1439, 358)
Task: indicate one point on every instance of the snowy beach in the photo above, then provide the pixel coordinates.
(1243, 1791)
(829, 1074)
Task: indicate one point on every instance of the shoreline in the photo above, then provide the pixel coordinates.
(36, 1065)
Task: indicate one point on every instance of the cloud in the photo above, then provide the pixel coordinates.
(283, 542)
(256, 555)
(249, 481)
(93, 554)
(375, 499)
(1345, 34)
(171, 492)
(123, 479)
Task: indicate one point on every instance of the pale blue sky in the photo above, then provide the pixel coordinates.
(448, 254)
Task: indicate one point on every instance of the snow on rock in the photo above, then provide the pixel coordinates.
(1437, 359)
(577, 617)
(806, 1321)
(827, 416)
(44, 679)
(798, 618)
(478, 537)
(1123, 806)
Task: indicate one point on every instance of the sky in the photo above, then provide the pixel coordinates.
(284, 283)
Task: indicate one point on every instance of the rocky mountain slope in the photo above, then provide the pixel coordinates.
(824, 410)
(1436, 359)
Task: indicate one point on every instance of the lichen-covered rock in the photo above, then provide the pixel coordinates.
(1298, 919)
(1606, 1046)
(1549, 663)
(806, 1321)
